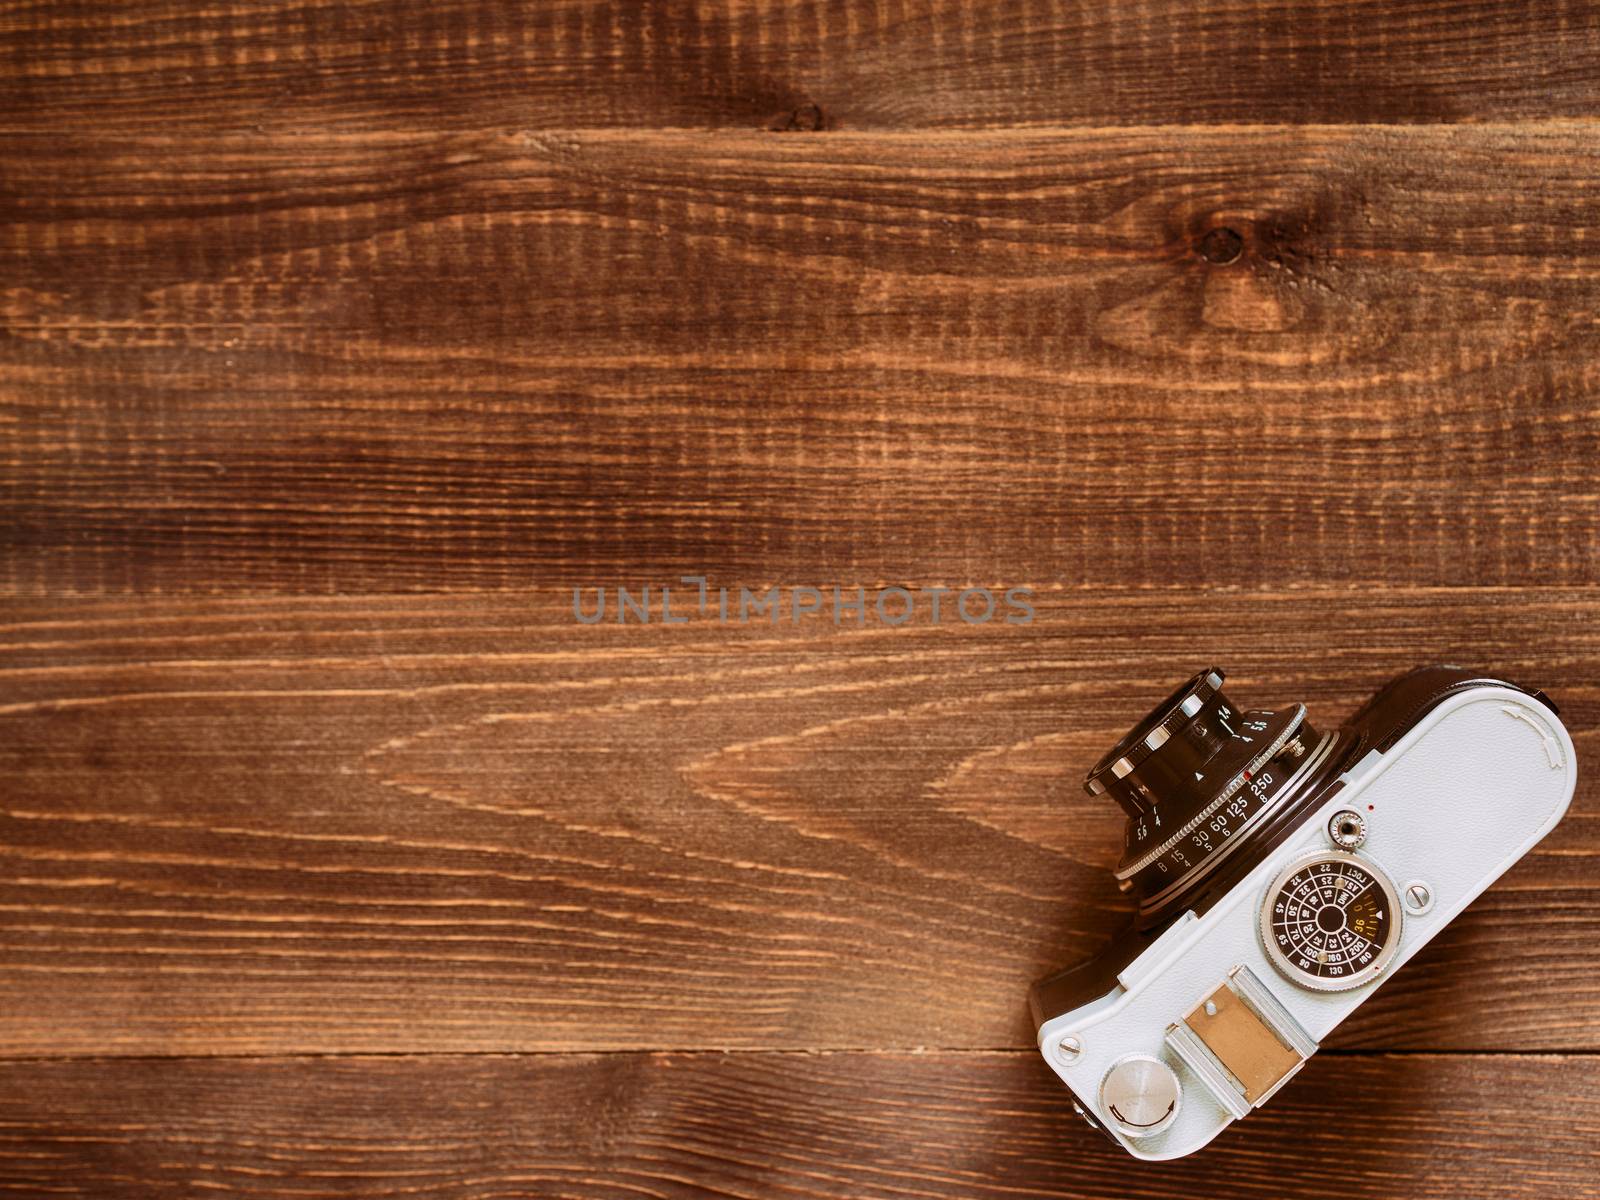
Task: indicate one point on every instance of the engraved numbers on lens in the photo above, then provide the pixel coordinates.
(1330, 921)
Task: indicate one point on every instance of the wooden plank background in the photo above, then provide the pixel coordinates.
(986, 1125)
(788, 64)
(376, 363)
(343, 340)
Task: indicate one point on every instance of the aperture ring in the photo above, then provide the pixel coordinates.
(1287, 794)
(1210, 810)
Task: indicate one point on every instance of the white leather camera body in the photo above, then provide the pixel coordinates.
(1283, 876)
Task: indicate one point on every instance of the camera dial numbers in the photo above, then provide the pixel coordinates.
(1199, 777)
(1239, 783)
(1331, 921)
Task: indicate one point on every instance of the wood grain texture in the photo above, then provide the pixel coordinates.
(441, 823)
(984, 1126)
(787, 64)
(421, 362)
(338, 341)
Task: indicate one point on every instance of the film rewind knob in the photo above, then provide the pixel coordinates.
(1140, 1094)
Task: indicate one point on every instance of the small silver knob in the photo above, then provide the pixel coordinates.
(1347, 829)
(1141, 1095)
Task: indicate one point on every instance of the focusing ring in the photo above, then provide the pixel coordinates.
(1150, 734)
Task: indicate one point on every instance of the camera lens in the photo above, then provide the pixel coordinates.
(1178, 737)
(1203, 782)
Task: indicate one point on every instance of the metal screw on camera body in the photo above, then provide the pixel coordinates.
(1418, 898)
(1069, 1050)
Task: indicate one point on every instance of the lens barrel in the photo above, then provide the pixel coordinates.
(1201, 782)
(1165, 755)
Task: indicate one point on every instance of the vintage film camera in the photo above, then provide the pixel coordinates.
(1282, 874)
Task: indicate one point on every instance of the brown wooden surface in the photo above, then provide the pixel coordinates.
(342, 340)
(987, 1125)
(787, 64)
(471, 824)
(419, 362)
